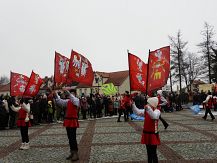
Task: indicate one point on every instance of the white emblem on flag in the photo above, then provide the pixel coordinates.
(84, 67)
(32, 88)
(139, 64)
(62, 65)
(22, 88)
(139, 77)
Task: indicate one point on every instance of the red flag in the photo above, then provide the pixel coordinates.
(158, 68)
(33, 85)
(61, 68)
(18, 84)
(80, 69)
(138, 73)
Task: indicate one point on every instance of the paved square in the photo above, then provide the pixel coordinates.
(187, 139)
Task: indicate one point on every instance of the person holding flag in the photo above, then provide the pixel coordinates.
(71, 119)
(150, 135)
(23, 109)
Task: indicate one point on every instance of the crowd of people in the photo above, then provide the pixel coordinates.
(65, 107)
(43, 109)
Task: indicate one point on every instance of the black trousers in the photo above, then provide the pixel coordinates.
(24, 133)
(152, 153)
(106, 110)
(71, 133)
(208, 110)
(12, 120)
(163, 121)
(84, 113)
(120, 112)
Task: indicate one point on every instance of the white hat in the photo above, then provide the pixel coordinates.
(159, 92)
(153, 101)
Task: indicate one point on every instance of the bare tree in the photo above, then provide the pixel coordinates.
(205, 46)
(178, 53)
(214, 76)
(4, 80)
(193, 69)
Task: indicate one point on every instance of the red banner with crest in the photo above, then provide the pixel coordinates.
(80, 69)
(159, 68)
(33, 85)
(138, 73)
(61, 67)
(18, 83)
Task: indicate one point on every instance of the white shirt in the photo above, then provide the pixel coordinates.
(63, 102)
(141, 112)
(26, 107)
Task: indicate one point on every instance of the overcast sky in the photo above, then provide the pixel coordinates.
(102, 30)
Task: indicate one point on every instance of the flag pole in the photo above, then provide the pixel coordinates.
(129, 68)
(10, 81)
(67, 79)
(54, 79)
(147, 73)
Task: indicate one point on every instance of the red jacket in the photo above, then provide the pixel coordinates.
(21, 118)
(126, 102)
(150, 131)
(71, 117)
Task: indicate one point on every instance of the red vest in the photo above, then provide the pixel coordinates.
(150, 133)
(209, 103)
(21, 118)
(71, 117)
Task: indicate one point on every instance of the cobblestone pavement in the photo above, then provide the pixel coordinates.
(188, 139)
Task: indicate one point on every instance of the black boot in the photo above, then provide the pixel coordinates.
(166, 125)
(75, 156)
(70, 156)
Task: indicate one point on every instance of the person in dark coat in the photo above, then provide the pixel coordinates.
(140, 100)
(12, 114)
(3, 114)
